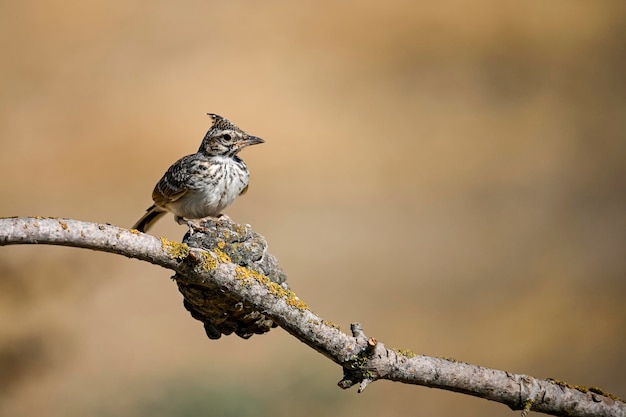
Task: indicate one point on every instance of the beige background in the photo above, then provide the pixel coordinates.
(451, 176)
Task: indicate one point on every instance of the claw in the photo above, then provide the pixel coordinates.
(193, 225)
(223, 218)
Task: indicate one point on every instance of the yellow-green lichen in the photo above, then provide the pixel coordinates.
(294, 301)
(242, 273)
(63, 224)
(584, 389)
(405, 352)
(209, 261)
(221, 256)
(359, 362)
(221, 244)
(174, 249)
(277, 290)
(528, 405)
(331, 324)
(135, 231)
(290, 297)
(449, 359)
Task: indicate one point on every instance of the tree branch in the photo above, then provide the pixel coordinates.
(211, 266)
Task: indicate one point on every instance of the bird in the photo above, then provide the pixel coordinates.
(202, 184)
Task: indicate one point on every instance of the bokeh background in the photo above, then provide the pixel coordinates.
(451, 175)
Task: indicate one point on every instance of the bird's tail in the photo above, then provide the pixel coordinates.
(153, 214)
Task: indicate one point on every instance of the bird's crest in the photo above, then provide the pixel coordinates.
(220, 123)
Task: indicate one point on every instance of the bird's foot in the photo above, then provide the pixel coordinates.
(223, 218)
(203, 224)
(193, 224)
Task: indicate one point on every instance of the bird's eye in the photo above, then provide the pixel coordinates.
(227, 137)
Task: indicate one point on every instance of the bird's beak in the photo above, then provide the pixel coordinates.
(250, 140)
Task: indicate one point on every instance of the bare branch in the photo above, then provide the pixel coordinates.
(363, 359)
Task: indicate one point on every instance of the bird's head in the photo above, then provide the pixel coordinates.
(224, 138)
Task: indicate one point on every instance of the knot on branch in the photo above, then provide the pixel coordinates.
(372, 363)
(220, 311)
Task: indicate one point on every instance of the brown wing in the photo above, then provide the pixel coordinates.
(173, 185)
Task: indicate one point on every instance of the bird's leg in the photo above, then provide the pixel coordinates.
(199, 224)
(193, 225)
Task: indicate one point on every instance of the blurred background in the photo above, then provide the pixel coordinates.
(451, 176)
